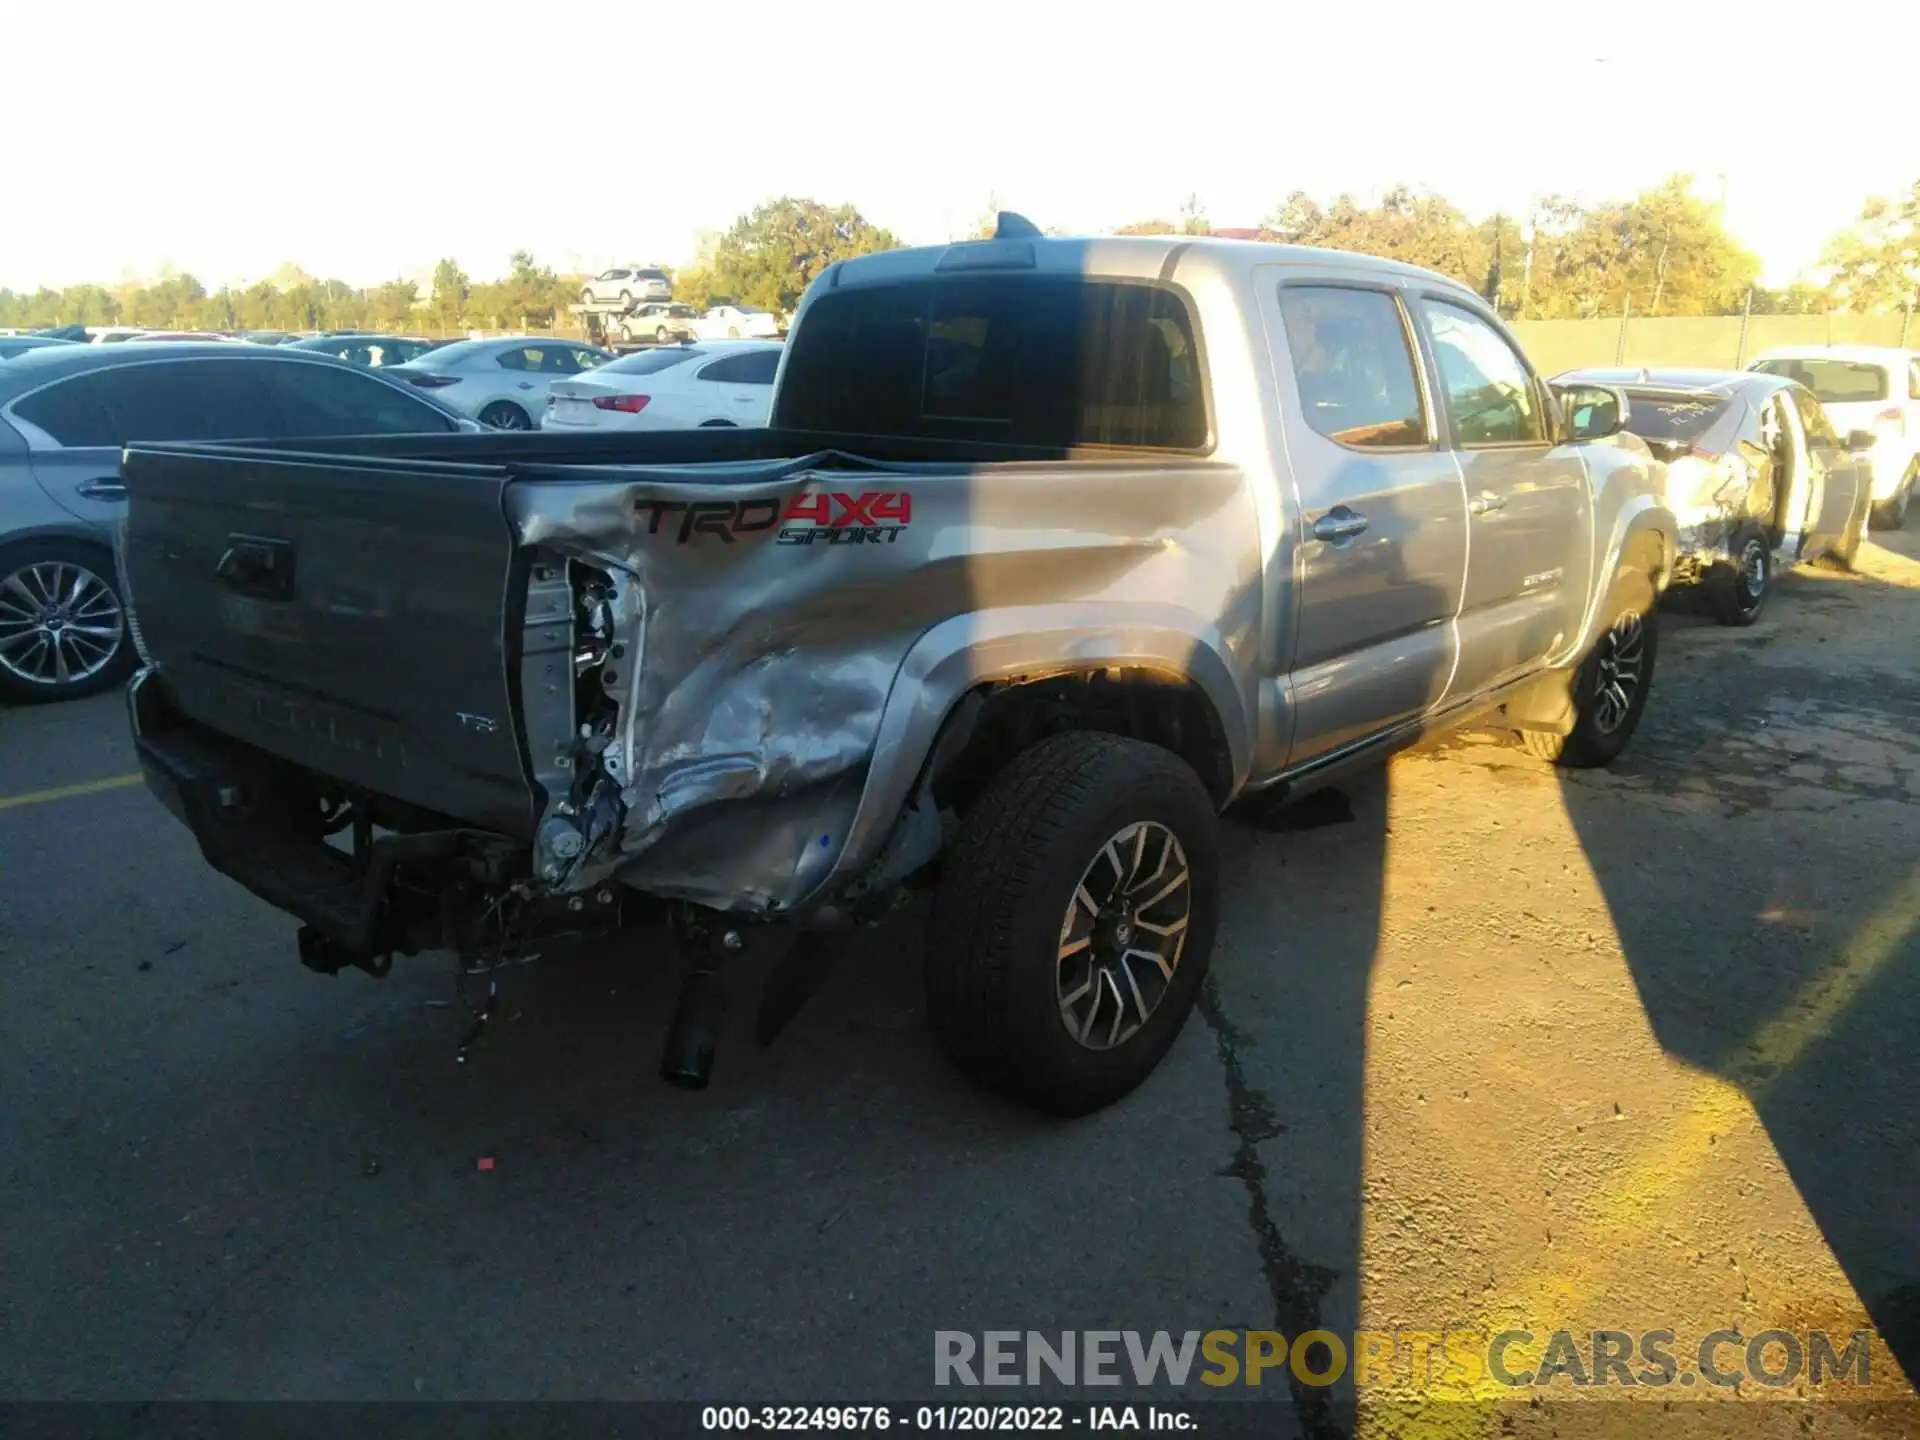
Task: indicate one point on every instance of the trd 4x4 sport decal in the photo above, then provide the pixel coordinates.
(874, 517)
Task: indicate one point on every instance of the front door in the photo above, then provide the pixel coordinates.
(1834, 476)
(1529, 501)
(1383, 519)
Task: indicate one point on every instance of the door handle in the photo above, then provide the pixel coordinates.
(102, 490)
(1486, 502)
(1339, 524)
(257, 565)
(526, 384)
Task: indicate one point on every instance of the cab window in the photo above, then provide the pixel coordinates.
(1490, 394)
(1354, 366)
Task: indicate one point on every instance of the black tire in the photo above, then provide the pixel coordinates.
(626, 299)
(586, 296)
(1738, 588)
(660, 336)
(25, 556)
(1011, 890)
(505, 415)
(1892, 514)
(1599, 734)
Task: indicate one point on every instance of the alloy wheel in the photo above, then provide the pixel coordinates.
(1622, 660)
(60, 624)
(1121, 937)
(1753, 574)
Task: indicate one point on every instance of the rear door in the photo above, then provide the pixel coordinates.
(78, 425)
(740, 386)
(1383, 554)
(1529, 505)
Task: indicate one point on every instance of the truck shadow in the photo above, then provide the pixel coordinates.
(1770, 921)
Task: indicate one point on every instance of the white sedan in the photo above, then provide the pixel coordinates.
(502, 382)
(673, 387)
(736, 322)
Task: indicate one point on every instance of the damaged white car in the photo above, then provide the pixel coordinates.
(1756, 475)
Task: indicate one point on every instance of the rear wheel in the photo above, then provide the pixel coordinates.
(733, 332)
(505, 415)
(63, 629)
(1739, 587)
(626, 298)
(1074, 921)
(586, 296)
(1610, 688)
(660, 335)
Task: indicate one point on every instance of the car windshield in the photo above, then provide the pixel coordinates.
(651, 362)
(1835, 382)
(1675, 420)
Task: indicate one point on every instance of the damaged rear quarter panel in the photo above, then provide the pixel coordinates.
(770, 641)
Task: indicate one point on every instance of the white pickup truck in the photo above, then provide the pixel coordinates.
(1052, 549)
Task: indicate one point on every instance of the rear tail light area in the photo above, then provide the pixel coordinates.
(625, 404)
(1892, 415)
(433, 382)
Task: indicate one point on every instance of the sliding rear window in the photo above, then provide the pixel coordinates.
(1018, 360)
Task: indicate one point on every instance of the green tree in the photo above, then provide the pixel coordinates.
(391, 305)
(1147, 227)
(1665, 252)
(779, 248)
(450, 290)
(1876, 262)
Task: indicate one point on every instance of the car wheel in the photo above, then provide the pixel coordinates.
(1739, 587)
(63, 628)
(1892, 514)
(505, 415)
(586, 296)
(717, 425)
(1610, 688)
(1074, 921)
(626, 298)
(733, 332)
(660, 336)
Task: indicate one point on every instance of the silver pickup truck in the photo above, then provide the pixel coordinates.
(1052, 549)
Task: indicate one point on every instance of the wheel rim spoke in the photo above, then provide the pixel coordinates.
(1120, 946)
(60, 623)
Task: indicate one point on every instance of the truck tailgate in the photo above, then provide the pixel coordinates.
(347, 614)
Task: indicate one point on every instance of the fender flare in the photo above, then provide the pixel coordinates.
(957, 656)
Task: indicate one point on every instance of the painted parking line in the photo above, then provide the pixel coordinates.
(68, 792)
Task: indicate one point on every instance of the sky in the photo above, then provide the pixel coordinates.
(365, 141)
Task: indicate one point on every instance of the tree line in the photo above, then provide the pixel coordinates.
(1663, 252)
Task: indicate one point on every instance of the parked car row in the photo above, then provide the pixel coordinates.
(65, 412)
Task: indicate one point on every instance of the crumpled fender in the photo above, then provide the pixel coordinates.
(781, 689)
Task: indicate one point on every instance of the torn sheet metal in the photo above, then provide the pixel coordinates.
(761, 615)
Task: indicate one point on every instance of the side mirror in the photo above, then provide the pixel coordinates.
(1593, 411)
(1862, 440)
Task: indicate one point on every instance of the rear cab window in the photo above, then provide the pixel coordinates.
(1054, 361)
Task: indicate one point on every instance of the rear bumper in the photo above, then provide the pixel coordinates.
(239, 808)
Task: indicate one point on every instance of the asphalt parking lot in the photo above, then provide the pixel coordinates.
(1485, 1046)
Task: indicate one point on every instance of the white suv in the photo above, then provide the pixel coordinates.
(628, 284)
(1866, 387)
